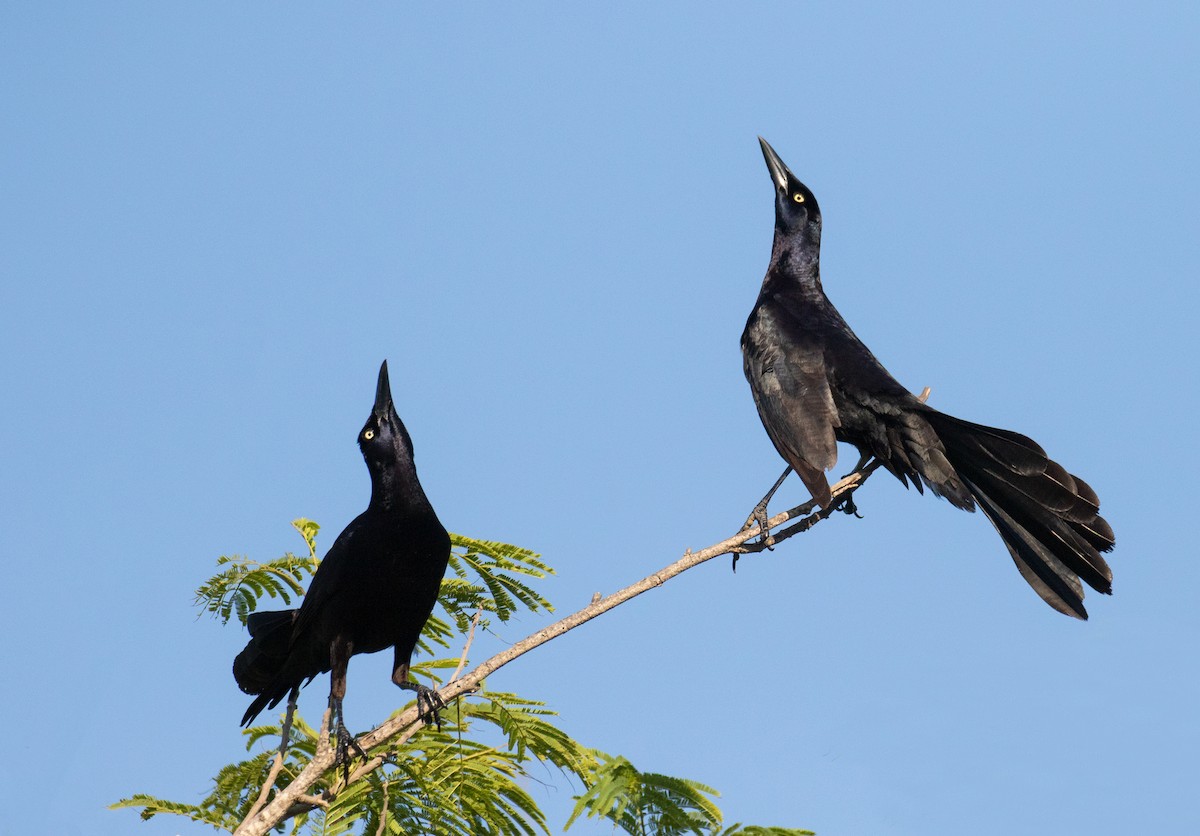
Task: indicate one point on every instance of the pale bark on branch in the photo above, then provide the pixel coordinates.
(292, 799)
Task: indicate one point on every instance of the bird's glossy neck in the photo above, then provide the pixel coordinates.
(795, 263)
(395, 488)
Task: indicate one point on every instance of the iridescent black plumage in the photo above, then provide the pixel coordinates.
(374, 589)
(815, 383)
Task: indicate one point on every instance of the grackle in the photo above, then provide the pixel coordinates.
(374, 589)
(815, 384)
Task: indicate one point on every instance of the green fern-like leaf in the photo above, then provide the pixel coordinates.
(352, 805)
(472, 788)
(308, 530)
(151, 807)
(755, 830)
(436, 632)
(429, 670)
(459, 598)
(495, 587)
(238, 589)
(530, 734)
(645, 803)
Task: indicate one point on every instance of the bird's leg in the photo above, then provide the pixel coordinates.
(339, 653)
(343, 740)
(863, 459)
(759, 514)
(847, 506)
(287, 720)
(431, 699)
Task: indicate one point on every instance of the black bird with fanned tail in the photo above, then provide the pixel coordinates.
(815, 383)
(374, 589)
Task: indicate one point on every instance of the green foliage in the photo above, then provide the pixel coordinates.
(151, 807)
(450, 781)
(497, 587)
(755, 830)
(484, 577)
(649, 804)
(239, 588)
(445, 782)
(237, 786)
(523, 722)
(645, 803)
(308, 530)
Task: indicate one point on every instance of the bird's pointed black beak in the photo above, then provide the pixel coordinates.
(383, 393)
(779, 171)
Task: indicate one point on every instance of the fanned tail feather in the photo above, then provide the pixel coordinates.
(261, 667)
(1048, 518)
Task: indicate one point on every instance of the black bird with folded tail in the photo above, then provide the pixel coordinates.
(815, 383)
(375, 588)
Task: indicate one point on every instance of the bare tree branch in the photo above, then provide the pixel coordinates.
(383, 807)
(462, 660)
(276, 766)
(292, 800)
(313, 801)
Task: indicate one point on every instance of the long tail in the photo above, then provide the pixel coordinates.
(259, 668)
(1049, 520)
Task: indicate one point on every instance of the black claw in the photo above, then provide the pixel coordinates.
(847, 506)
(432, 700)
(344, 741)
(759, 515)
(765, 536)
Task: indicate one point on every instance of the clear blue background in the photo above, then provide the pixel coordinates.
(217, 219)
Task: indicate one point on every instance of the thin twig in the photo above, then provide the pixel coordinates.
(383, 809)
(276, 768)
(291, 801)
(462, 660)
(277, 765)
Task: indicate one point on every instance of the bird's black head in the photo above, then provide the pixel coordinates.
(797, 215)
(383, 438)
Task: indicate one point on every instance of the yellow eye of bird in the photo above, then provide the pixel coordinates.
(799, 198)
(368, 434)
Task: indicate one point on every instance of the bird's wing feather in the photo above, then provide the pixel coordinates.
(791, 391)
(327, 581)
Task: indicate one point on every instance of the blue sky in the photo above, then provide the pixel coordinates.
(552, 221)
